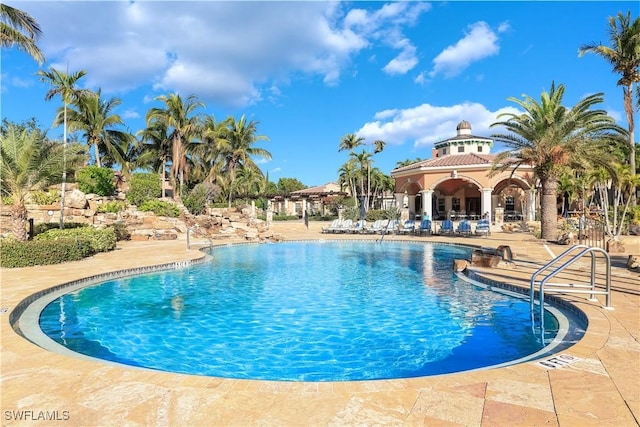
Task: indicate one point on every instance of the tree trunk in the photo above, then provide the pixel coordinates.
(19, 219)
(629, 110)
(97, 151)
(549, 209)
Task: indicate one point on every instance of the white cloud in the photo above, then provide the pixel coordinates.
(478, 43)
(227, 52)
(425, 124)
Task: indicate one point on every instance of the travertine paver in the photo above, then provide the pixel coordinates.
(601, 389)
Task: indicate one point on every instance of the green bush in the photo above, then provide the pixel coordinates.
(100, 240)
(23, 254)
(42, 198)
(160, 208)
(198, 198)
(143, 187)
(375, 214)
(121, 231)
(96, 180)
(113, 206)
(44, 226)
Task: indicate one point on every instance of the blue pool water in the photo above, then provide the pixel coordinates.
(304, 311)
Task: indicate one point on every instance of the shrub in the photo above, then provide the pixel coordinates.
(42, 198)
(143, 187)
(99, 240)
(199, 197)
(375, 214)
(113, 206)
(44, 226)
(23, 254)
(121, 231)
(160, 208)
(96, 180)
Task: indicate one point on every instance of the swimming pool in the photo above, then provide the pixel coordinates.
(301, 311)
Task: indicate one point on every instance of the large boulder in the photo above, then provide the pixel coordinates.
(75, 199)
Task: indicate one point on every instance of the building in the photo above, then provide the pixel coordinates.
(456, 183)
(313, 199)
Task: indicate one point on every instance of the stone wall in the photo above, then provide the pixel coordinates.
(82, 208)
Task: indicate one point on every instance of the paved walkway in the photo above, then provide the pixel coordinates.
(601, 389)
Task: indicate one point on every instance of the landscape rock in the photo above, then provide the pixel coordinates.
(75, 199)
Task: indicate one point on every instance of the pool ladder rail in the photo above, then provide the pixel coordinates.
(541, 279)
(196, 231)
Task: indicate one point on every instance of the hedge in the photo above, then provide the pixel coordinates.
(100, 240)
(42, 252)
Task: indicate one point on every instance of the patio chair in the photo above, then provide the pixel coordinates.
(464, 228)
(334, 224)
(446, 227)
(408, 227)
(359, 226)
(376, 227)
(483, 228)
(345, 226)
(389, 226)
(425, 227)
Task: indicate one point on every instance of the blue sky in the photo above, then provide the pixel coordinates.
(310, 72)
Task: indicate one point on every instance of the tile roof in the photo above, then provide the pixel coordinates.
(451, 160)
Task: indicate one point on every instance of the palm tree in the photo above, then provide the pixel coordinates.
(350, 142)
(347, 176)
(210, 161)
(249, 181)
(29, 162)
(156, 141)
(20, 29)
(237, 148)
(551, 137)
(94, 117)
(407, 162)
(63, 84)
(184, 126)
(624, 56)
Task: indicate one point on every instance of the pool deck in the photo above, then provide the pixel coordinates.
(601, 389)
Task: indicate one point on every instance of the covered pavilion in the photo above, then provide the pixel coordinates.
(456, 183)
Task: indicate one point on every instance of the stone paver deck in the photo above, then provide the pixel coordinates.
(601, 389)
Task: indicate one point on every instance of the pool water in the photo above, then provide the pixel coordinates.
(302, 311)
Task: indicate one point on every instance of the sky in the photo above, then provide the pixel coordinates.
(310, 72)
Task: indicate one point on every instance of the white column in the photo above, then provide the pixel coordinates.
(427, 203)
(531, 205)
(485, 203)
(447, 206)
(399, 197)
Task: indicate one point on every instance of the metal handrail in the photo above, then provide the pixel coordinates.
(569, 287)
(190, 229)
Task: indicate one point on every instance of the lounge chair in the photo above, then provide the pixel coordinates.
(359, 227)
(375, 227)
(408, 227)
(446, 227)
(334, 224)
(464, 228)
(345, 226)
(425, 227)
(483, 228)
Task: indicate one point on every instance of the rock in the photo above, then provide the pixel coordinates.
(165, 236)
(139, 237)
(633, 261)
(75, 199)
(615, 247)
(460, 265)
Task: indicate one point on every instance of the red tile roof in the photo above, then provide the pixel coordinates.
(451, 160)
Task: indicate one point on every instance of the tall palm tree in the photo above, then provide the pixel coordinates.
(184, 124)
(624, 56)
(156, 140)
(63, 84)
(237, 147)
(94, 117)
(210, 159)
(20, 29)
(28, 162)
(551, 137)
(350, 142)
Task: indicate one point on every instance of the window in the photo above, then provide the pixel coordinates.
(444, 151)
(461, 149)
(455, 204)
(509, 203)
(479, 148)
